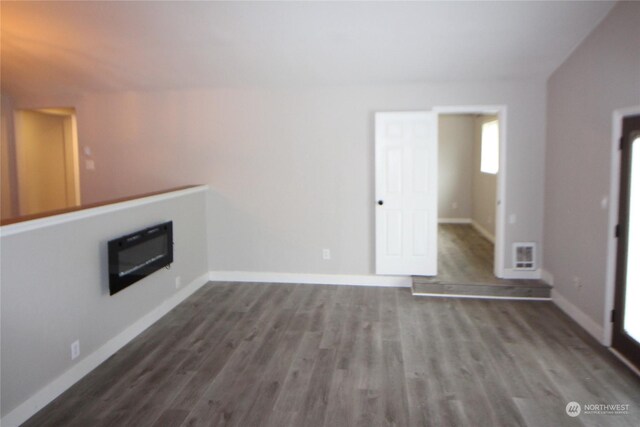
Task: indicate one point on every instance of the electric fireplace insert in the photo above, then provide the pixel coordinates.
(137, 255)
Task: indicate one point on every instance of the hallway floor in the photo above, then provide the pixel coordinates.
(465, 258)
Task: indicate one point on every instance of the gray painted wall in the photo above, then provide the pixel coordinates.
(289, 190)
(602, 75)
(460, 181)
(292, 167)
(55, 289)
(484, 185)
(455, 165)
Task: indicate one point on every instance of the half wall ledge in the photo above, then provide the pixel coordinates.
(20, 224)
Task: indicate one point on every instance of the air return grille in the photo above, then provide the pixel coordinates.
(524, 256)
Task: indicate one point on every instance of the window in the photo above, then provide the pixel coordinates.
(490, 148)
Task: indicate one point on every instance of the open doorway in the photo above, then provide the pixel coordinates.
(470, 193)
(47, 160)
(468, 168)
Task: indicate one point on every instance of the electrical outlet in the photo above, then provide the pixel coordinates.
(512, 219)
(326, 254)
(178, 282)
(454, 205)
(75, 349)
(90, 165)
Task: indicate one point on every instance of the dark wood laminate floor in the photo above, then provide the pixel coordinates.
(310, 355)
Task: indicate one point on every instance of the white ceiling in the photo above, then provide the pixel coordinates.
(55, 46)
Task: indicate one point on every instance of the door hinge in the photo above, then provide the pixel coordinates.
(613, 316)
(617, 231)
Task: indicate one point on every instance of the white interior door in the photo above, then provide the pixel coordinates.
(406, 193)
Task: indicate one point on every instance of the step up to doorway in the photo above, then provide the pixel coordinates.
(508, 289)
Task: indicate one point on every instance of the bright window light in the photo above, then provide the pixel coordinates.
(632, 293)
(490, 150)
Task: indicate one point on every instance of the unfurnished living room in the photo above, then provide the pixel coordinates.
(319, 213)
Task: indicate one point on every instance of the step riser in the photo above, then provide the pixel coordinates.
(480, 290)
(480, 297)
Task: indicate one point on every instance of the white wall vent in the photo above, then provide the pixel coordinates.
(524, 256)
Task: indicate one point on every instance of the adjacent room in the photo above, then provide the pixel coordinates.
(468, 168)
(319, 213)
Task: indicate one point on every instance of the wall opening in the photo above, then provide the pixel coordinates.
(468, 164)
(485, 192)
(47, 160)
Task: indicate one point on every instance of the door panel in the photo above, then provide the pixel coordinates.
(394, 233)
(420, 173)
(626, 331)
(406, 193)
(420, 232)
(394, 171)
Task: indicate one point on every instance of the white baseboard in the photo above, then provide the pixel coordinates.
(454, 220)
(475, 225)
(490, 237)
(547, 277)
(510, 273)
(597, 331)
(317, 279)
(52, 390)
(625, 361)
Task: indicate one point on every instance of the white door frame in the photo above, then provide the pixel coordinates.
(501, 193)
(614, 201)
